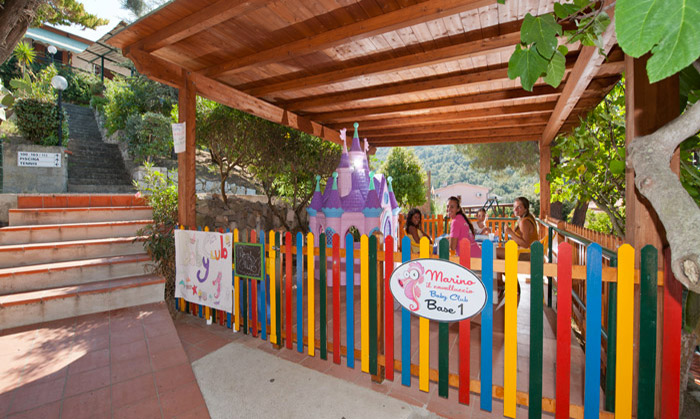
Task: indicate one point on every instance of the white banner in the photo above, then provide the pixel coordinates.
(37, 159)
(179, 137)
(203, 262)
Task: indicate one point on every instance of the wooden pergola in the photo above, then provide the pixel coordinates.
(411, 72)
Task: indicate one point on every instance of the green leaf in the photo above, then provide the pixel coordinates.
(564, 10)
(640, 24)
(7, 101)
(581, 3)
(501, 1)
(617, 167)
(526, 64)
(541, 31)
(563, 50)
(681, 44)
(555, 70)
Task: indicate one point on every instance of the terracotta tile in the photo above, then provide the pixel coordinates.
(55, 201)
(129, 392)
(181, 400)
(194, 353)
(173, 377)
(35, 395)
(144, 409)
(47, 411)
(448, 407)
(120, 325)
(121, 200)
(159, 328)
(87, 405)
(126, 336)
(121, 353)
(100, 200)
(191, 334)
(29, 201)
(213, 343)
(198, 412)
(168, 358)
(158, 314)
(86, 381)
(126, 370)
(163, 342)
(78, 201)
(5, 400)
(316, 363)
(89, 361)
(93, 342)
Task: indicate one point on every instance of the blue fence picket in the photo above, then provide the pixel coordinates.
(262, 291)
(300, 292)
(405, 324)
(594, 270)
(487, 327)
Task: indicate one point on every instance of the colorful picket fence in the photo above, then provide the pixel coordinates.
(379, 357)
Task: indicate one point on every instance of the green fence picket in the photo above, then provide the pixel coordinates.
(647, 332)
(536, 334)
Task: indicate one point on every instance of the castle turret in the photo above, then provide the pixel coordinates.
(395, 209)
(316, 199)
(373, 207)
(332, 206)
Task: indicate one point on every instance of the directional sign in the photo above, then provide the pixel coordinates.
(36, 159)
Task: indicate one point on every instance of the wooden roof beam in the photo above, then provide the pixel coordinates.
(468, 115)
(456, 140)
(523, 121)
(471, 79)
(202, 20)
(467, 133)
(165, 72)
(500, 43)
(541, 93)
(586, 68)
(401, 18)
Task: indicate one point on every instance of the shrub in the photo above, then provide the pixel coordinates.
(161, 194)
(37, 121)
(135, 95)
(148, 136)
(98, 103)
(37, 87)
(81, 86)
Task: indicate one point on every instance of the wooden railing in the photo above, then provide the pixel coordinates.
(435, 227)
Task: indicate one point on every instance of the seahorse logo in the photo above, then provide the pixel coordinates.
(410, 283)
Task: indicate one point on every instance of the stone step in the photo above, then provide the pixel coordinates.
(64, 302)
(90, 178)
(62, 274)
(123, 188)
(39, 253)
(78, 200)
(38, 216)
(66, 232)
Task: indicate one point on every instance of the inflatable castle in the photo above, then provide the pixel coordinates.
(354, 197)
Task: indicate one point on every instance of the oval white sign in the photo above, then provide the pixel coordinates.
(438, 290)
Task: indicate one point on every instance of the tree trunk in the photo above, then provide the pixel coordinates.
(15, 18)
(688, 342)
(579, 217)
(556, 210)
(650, 157)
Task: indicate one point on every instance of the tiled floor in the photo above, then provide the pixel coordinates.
(126, 363)
(198, 340)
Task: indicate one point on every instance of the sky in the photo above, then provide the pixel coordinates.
(107, 9)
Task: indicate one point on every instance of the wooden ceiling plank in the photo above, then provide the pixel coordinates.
(587, 66)
(163, 71)
(546, 91)
(433, 9)
(449, 53)
(450, 140)
(218, 12)
(471, 133)
(469, 115)
(527, 120)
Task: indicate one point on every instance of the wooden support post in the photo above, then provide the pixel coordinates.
(648, 107)
(545, 165)
(186, 174)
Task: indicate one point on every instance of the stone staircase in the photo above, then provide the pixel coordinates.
(69, 255)
(93, 165)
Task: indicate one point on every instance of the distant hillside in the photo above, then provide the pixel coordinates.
(448, 166)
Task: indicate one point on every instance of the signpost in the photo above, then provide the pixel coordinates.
(438, 290)
(36, 159)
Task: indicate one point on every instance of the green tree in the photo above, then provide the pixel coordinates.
(591, 160)
(286, 164)
(228, 135)
(409, 177)
(492, 156)
(25, 55)
(17, 15)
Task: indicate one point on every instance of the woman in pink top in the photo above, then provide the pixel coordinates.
(461, 228)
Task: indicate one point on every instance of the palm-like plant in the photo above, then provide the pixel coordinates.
(25, 55)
